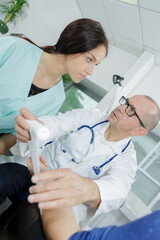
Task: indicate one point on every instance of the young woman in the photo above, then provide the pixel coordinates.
(31, 75)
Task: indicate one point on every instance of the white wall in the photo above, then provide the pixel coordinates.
(118, 62)
(150, 85)
(132, 27)
(46, 19)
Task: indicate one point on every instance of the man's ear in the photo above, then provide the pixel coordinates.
(141, 131)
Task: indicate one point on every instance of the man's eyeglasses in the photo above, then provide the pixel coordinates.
(129, 109)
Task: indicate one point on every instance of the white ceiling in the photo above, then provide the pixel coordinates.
(133, 26)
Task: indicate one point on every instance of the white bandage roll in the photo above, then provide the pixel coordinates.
(37, 132)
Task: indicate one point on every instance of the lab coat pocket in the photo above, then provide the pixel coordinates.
(98, 167)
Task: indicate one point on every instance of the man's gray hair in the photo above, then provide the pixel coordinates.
(151, 119)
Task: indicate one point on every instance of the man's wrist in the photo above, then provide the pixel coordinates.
(93, 196)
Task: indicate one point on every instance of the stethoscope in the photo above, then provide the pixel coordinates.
(96, 169)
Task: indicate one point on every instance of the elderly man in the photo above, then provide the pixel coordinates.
(92, 160)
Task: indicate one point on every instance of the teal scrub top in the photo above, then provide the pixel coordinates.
(18, 63)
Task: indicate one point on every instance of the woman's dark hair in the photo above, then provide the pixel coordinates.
(48, 49)
(79, 36)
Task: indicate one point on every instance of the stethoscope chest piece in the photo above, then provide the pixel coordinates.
(97, 170)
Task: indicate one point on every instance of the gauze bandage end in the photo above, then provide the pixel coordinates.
(37, 130)
(38, 133)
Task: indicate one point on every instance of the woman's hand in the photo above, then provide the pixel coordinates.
(42, 162)
(22, 126)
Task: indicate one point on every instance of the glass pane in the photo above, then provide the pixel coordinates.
(144, 144)
(154, 169)
(66, 80)
(156, 206)
(75, 98)
(144, 188)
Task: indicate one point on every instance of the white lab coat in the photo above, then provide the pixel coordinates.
(115, 178)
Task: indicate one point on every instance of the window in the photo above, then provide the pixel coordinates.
(147, 181)
(81, 95)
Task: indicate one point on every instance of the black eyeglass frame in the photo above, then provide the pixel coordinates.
(126, 103)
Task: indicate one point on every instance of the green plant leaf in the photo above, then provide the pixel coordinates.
(3, 27)
(13, 10)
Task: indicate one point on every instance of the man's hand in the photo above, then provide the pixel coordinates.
(63, 188)
(22, 126)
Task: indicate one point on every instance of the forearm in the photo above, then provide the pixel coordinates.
(6, 142)
(59, 224)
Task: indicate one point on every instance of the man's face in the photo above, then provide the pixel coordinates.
(121, 121)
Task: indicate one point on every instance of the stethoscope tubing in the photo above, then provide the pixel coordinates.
(91, 129)
(96, 169)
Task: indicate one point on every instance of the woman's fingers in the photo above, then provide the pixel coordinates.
(30, 165)
(43, 165)
(21, 122)
(21, 138)
(21, 131)
(27, 114)
(22, 126)
(21, 134)
(42, 160)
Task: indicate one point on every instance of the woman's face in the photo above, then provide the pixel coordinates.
(80, 65)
